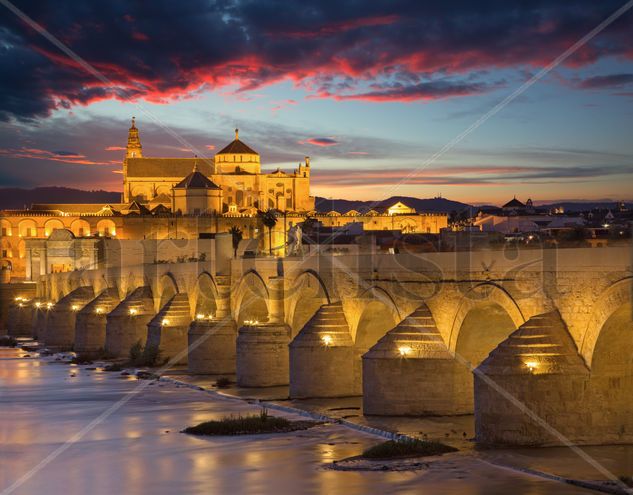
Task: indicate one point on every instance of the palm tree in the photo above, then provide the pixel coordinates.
(236, 234)
(269, 219)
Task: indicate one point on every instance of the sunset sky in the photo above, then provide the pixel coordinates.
(369, 89)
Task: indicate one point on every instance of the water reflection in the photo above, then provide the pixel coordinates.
(138, 449)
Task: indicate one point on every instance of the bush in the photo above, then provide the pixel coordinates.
(136, 352)
(144, 356)
(151, 356)
(248, 425)
(8, 341)
(406, 448)
(223, 382)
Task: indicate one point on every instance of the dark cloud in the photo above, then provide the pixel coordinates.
(608, 81)
(379, 50)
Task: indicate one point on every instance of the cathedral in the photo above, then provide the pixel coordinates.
(185, 199)
(231, 182)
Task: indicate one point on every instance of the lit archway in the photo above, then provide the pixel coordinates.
(80, 228)
(251, 301)
(204, 296)
(379, 315)
(51, 225)
(106, 228)
(27, 228)
(167, 289)
(306, 295)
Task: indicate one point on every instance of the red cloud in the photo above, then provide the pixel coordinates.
(320, 141)
(392, 52)
(56, 156)
(115, 148)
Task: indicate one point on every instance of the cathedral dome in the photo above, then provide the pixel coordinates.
(237, 157)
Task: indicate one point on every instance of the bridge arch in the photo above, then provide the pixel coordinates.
(167, 288)
(378, 314)
(483, 295)
(204, 295)
(485, 317)
(310, 291)
(616, 296)
(251, 298)
(611, 378)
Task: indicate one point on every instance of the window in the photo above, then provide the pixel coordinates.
(33, 232)
(5, 254)
(4, 231)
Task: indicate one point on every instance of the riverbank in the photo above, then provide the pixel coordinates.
(136, 447)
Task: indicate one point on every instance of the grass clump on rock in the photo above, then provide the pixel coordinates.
(248, 425)
(223, 382)
(394, 449)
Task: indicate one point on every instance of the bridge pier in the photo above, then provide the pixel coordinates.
(90, 327)
(59, 334)
(20, 319)
(168, 330)
(212, 341)
(536, 371)
(410, 372)
(40, 319)
(127, 323)
(323, 357)
(262, 355)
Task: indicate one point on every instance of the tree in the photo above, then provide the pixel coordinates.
(236, 235)
(269, 219)
(308, 227)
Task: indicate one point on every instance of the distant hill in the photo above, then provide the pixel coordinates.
(439, 205)
(13, 198)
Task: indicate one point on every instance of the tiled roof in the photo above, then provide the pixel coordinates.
(196, 180)
(167, 167)
(237, 147)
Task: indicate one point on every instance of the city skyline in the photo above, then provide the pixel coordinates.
(369, 94)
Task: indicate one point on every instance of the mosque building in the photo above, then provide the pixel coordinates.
(233, 179)
(188, 198)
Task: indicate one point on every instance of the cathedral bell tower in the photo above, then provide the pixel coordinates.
(134, 148)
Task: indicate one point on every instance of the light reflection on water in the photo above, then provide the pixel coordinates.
(138, 449)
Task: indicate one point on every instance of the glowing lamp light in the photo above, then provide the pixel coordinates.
(165, 322)
(199, 316)
(210, 317)
(21, 305)
(404, 350)
(326, 339)
(133, 311)
(18, 299)
(74, 307)
(38, 304)
(99, 311)
(531, 365)
(49, 305)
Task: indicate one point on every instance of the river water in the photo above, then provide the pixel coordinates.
(68, 430)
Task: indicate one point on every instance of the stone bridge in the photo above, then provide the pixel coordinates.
(537, 343)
